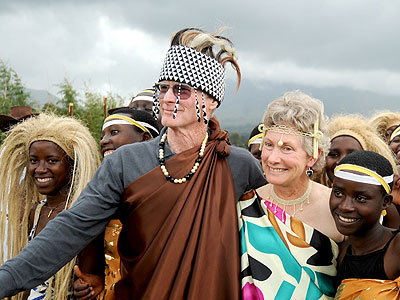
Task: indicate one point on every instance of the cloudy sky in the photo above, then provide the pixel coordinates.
(336, 47)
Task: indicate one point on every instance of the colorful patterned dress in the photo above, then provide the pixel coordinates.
(281, 257)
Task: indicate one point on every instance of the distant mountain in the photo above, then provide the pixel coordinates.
(241, 111)
(40, 97)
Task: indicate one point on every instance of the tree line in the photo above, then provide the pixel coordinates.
(87, 106)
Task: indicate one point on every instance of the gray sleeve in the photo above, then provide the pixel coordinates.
(246, 171)
(67, 234)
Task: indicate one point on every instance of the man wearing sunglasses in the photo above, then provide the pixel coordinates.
(177, 194)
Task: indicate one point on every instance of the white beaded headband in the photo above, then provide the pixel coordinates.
(187, 65)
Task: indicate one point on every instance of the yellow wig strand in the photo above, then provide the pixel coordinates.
(18, 193)
(356, 126)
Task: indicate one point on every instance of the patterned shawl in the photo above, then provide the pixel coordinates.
(281, 257)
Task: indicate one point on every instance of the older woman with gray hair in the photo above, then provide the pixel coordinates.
(288, 235)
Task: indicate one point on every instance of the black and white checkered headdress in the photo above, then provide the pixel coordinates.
(186, 65)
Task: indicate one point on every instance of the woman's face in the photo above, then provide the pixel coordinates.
(395, 146)
(255, 151)
(284, 165)
(49, 168)
(356, 207)
(340, 147)
(142, 105)
(117, 135)
(389, 132)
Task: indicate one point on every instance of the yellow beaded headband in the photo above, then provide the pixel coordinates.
(372, 178)
(316, 135)
(120, 119)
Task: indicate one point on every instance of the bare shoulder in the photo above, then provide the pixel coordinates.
(321, 190)
(263, 191)
(324, 219)
(321, 195)
(392, 263)
(396, 244)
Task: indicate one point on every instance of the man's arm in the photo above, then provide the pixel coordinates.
(66, 235)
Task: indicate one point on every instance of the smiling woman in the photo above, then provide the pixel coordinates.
(60, 157)
(50, 169)
(287, 222)
(349, 133)
(368, 265)
(126, 126)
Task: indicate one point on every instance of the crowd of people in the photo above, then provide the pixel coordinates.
(309, 211)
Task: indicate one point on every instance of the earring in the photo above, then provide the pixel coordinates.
(197, 106)
(156, 106)
(178, 98)
(384, 212)
(309, 172)
(280, 142)
(203, 106)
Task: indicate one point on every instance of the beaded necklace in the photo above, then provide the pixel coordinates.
(192, 171)
(303, 198)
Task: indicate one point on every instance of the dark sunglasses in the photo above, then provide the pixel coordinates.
(179, 89)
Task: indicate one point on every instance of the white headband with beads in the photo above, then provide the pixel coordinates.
(187, 65)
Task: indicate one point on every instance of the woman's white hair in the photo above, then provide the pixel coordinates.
(300, 112)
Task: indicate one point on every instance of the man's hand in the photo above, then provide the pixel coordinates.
(87, 286)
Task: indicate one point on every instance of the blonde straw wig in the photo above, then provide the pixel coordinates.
(357, 126)
(18, 192)
(383, 120)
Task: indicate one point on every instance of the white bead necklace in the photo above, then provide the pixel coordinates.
(192, 171)
(304, 198)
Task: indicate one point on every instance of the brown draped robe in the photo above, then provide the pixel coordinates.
(180, 241)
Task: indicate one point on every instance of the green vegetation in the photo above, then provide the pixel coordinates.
(89, 107)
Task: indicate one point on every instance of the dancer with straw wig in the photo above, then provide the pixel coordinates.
(59, 157)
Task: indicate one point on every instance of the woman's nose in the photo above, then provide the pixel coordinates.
(274, 155)
(346, 205)
(42, 167)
